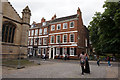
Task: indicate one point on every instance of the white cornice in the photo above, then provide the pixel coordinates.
(63, 32)
(39, 36)
(72, 45)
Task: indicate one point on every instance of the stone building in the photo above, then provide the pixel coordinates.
(14, 31)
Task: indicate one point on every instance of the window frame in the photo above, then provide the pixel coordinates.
(40, 31)
(73, 38)
(29, 33)
(36, 32)
(52, 40)
(45, 30)
(57, 54)
(44, 39)
(40, 41)
(73, 24)
(31, 41)
(57, 39)
(86, 42)
(58, 25)
(8, 32)
(32, 32)
(35, 41)
(73, 51)
(63, 38)
(39, 51)
(64, 25)
(64, 51)
(52, 27)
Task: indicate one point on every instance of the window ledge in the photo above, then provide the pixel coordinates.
(7, 43)
(71, 55)
(72, 27)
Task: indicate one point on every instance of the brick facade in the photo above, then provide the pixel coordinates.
(66, 35)
(39, 45)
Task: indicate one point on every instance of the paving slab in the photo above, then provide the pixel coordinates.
(62, 69)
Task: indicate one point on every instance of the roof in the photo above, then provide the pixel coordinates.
(39, 25)
(64, 18)
(14, 9)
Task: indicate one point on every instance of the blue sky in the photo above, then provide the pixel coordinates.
(47, 8)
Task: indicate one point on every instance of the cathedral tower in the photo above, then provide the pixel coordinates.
(26, 14)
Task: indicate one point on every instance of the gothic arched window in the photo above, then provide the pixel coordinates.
(8, 32)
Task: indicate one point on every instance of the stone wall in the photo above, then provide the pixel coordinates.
(19, 46)
(0, 27)
(10, 12)
(10, 52)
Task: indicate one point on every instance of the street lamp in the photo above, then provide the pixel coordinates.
(60, 42)
(19, 59)
(38, 51)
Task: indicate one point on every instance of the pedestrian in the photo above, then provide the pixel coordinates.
(65, 56)
(58, 56)
(87, 68)
(82, 61)
(30, 55)
(38, 55)
(109, 64)
(113, 58)
(44, 56)
(98, 61)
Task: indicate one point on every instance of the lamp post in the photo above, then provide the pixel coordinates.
(38, 54)
(60, 42)
(19, 59)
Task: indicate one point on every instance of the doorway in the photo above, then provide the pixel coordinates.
(51, 52)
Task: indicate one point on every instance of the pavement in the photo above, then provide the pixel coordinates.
(62, 69)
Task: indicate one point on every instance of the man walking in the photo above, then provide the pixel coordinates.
(108, 58)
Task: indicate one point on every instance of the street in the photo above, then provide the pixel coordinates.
(62, 69)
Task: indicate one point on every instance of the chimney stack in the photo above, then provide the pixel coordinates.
(42, 20)
(54, 17)
(79, 11)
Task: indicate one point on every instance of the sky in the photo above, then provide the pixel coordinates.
(62, 8)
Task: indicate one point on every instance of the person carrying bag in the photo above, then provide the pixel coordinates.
(82, 62)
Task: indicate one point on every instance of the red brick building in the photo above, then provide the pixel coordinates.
(65, 35)
(38, 38)
(68, 35)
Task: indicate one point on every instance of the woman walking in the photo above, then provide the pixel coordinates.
(87, 68)
(82, 62)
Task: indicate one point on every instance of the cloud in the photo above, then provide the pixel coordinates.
(47, 8)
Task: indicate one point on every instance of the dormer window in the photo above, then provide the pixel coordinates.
(33, 25)
(44, 23)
